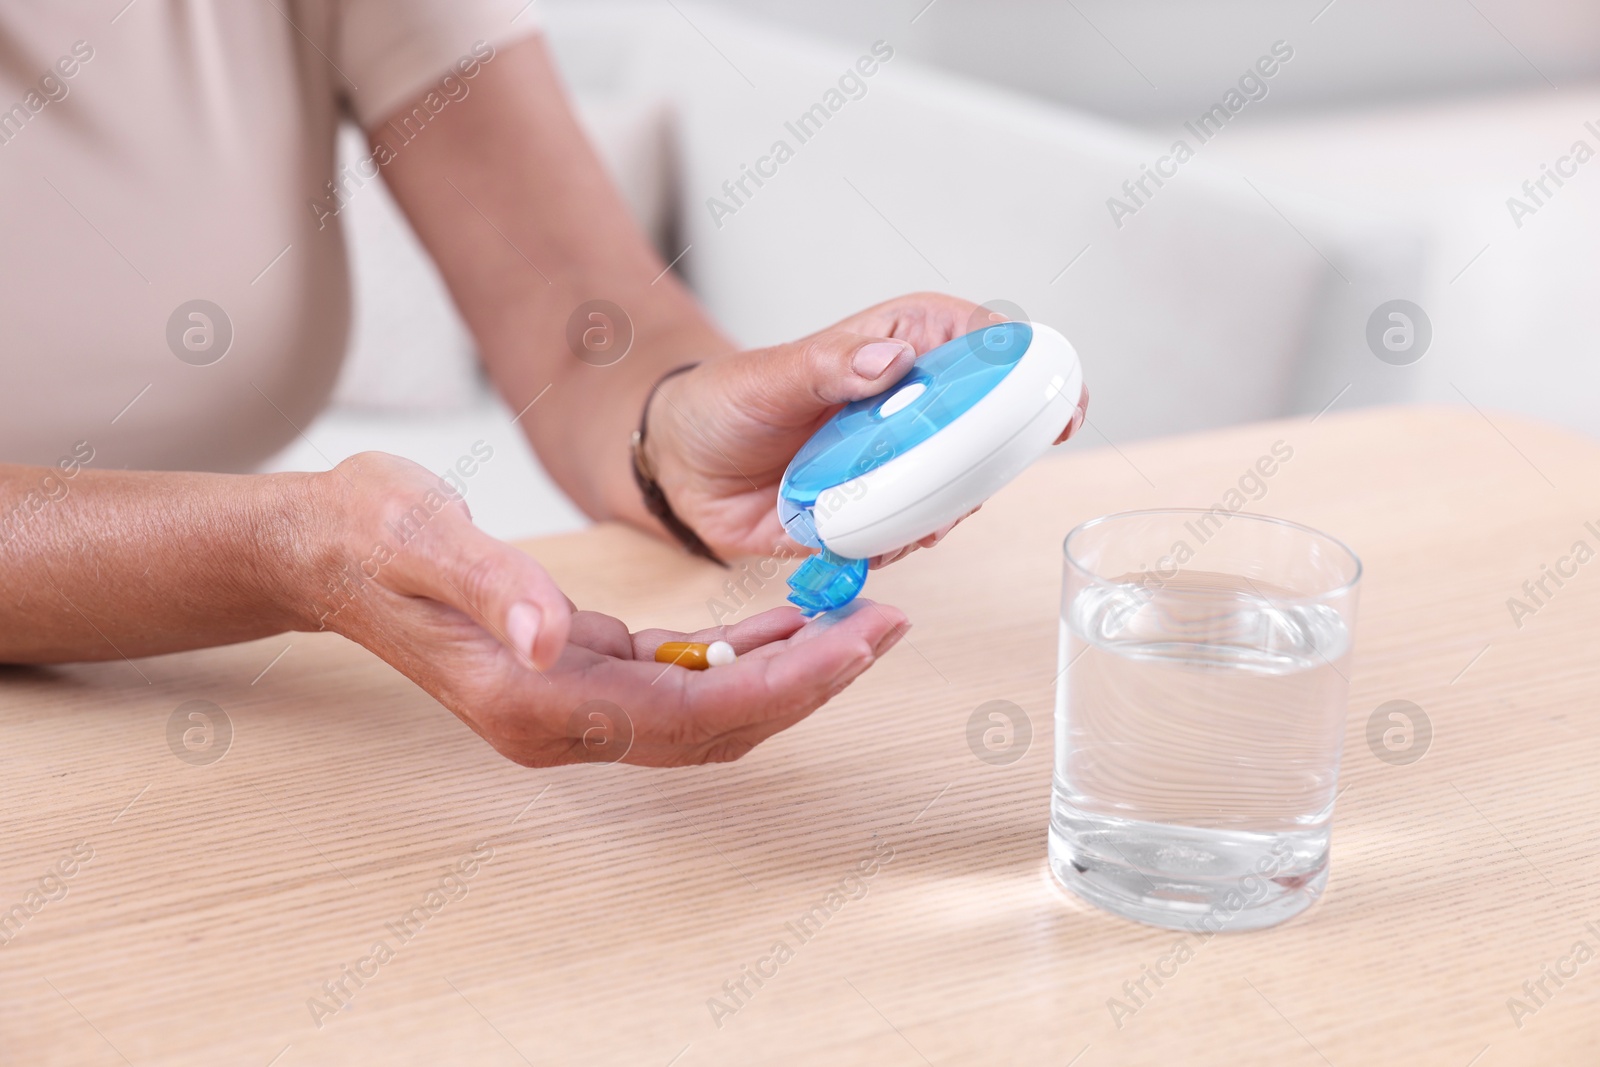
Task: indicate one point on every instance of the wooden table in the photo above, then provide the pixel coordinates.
(612, 903)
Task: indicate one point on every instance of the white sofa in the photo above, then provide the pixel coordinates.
(1512, 305)
(1219, 301)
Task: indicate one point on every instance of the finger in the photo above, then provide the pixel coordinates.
(828, 368)
(891, 619)
(738, 742)
(745, 636)
(926, 319)
(925, 542)
(502, 589)
(887, 558)
(691, 708)
(600, 633)
(1078, 415)
(940, 534)
(820, 624)
(890, 557)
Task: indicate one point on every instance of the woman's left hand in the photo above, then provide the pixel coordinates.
(722, 434)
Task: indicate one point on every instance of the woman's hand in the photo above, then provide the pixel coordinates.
(484, 629)
(107, 565)
(721, 435)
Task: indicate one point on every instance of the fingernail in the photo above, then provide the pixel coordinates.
(871, 360)
(522, 626)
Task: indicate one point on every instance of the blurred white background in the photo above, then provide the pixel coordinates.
(1377, 166)
(1153, 61)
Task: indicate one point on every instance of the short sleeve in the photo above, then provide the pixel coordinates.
(391, 51)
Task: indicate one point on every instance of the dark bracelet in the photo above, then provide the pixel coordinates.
(655, 501)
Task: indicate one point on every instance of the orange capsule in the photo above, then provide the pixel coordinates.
(696, 656)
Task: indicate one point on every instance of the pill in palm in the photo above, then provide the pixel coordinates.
(695, 655)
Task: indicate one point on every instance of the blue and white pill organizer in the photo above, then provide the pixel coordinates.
(887, 471)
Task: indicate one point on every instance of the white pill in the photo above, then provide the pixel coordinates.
(720, 654)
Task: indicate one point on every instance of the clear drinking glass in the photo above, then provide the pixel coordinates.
(1200, 710)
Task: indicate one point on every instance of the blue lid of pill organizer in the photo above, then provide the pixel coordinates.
(942, 385)
(945, 381)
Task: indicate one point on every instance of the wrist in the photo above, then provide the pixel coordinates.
(652, 442)
(587, 444)
(660, 419)
(308, 565)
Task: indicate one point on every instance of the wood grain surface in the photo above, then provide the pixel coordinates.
(609, 905)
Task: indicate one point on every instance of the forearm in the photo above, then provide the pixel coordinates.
(107, 564)
(525, 225)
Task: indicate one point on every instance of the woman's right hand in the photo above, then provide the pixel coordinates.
(483, 628)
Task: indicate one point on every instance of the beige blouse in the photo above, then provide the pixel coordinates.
(173, 286)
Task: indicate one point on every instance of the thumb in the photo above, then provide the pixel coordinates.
(836, 366)
(502, 589)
